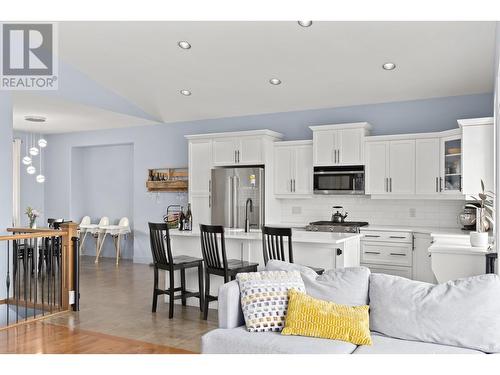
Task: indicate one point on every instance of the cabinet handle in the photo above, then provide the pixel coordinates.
(338, 156)
(399, 254)
(339, 251)
(386, 181)
(401, 237)
(235, 156)
(440, 183)
(437, 184)
(291, 186)
(238, 156)
(390, 182)
(294, 185)
(371, 235)
(372, 252)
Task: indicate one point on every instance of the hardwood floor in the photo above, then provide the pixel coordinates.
(45, 338)
(115, 304)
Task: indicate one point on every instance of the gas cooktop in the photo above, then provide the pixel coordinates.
(330, 226)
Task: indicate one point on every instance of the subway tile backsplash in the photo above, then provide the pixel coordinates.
(438, 213)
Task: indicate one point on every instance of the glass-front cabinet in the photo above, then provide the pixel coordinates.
(451, 165)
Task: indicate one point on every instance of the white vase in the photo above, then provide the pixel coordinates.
(479, 239)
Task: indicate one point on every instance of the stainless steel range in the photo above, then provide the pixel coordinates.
(330, 226)
(337, 224)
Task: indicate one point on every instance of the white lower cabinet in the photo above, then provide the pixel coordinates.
(422, 269)
(389, 270)
(388, 252)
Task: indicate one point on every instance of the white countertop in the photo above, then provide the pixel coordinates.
(299, 236)
(418, 229)
(395, 228)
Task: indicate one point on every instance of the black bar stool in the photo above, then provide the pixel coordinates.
(274, 249)
(163, 259)
(216, 262)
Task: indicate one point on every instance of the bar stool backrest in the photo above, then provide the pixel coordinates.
(159, 236)
(273, 244)
(213, 246)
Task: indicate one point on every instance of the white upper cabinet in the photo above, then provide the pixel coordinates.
(224, 151)
(477, 154)
(427, 171)
(293, 168)
(325, 147)
(241, 149)
(377, 167)
(200, 164)
(302, 178)
(390, 167)
(450, 181)
(350, 146)
(283, 160)
(402, 167)
(340, 144)
(250, 150)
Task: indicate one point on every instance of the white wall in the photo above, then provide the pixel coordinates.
(435, 213)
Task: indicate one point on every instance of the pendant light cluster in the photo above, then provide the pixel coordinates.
(34, 146)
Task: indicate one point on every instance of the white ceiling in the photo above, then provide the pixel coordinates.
(329, 64)
(63, 116)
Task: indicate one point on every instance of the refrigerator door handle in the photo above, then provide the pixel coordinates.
(229, 201)
(236, 213)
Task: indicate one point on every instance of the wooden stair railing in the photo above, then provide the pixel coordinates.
(40, 272)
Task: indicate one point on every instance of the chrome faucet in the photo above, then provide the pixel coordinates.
(247, 221)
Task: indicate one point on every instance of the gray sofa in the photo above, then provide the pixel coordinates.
(406, 317)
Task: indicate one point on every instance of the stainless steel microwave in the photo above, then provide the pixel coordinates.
(346, 179)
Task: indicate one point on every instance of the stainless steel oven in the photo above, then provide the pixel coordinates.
(347, 179)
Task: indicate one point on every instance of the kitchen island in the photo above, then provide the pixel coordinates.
(317, 249)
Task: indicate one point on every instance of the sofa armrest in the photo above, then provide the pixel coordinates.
(230, 313)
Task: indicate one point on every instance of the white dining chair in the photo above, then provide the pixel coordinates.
(83, 229)
(98, 233)
(116, 232)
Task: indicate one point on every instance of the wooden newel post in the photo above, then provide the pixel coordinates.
(70, 230)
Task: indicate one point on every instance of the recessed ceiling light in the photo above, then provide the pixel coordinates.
(275, 81)
(305, 23)
(389, 66)
(186, 92)
(184, 45)
(35, 118)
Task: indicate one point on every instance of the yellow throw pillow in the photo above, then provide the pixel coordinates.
(308, 316)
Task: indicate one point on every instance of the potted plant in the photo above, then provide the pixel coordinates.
(32, 216)
(484, 217)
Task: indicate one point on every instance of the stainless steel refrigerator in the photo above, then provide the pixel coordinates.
(230, 193)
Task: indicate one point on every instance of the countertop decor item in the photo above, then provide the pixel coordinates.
(484, 217)
(168, 180)
(32, 216)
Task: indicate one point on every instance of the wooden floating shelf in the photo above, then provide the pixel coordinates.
(168, 180)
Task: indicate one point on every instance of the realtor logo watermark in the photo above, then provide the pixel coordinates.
(28, 58)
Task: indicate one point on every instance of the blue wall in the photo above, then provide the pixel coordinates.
(107, 170)
(6, 181)
(165, 146)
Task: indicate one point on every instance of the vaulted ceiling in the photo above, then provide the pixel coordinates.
(229, 65)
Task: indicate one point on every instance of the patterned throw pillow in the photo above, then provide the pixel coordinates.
(264, 298)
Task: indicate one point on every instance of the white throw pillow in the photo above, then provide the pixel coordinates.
(264, 298)
(463, 313)
(345, 286)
